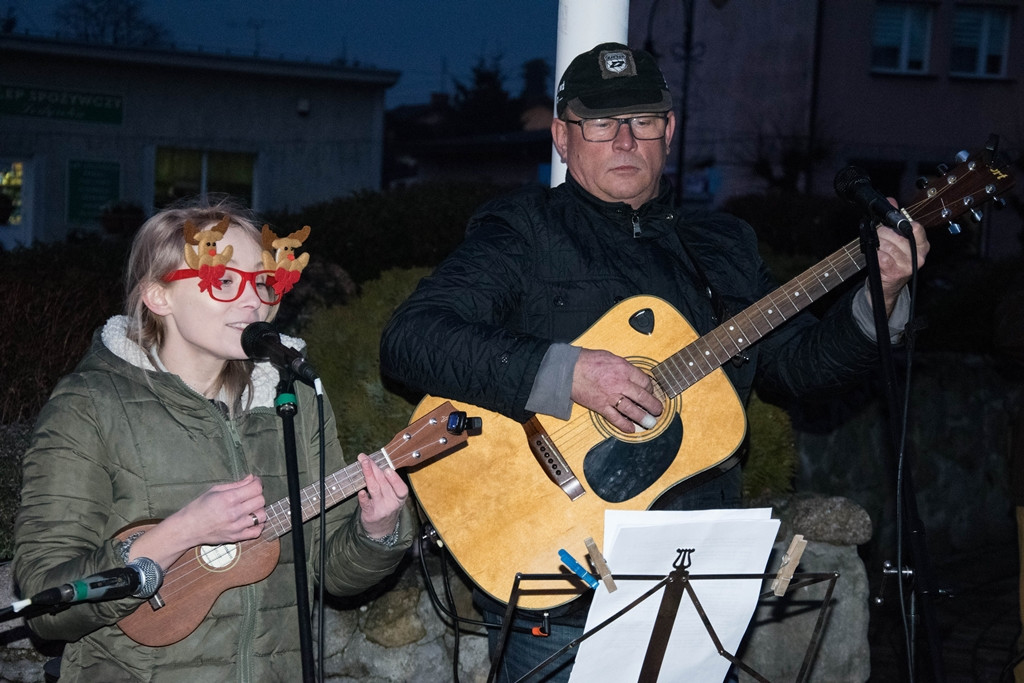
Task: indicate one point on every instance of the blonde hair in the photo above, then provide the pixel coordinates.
(157, 249)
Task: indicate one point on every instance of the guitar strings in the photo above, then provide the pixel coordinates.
(679, 373)
(696, 360)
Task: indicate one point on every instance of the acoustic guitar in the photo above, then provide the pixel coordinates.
(194, 582)
(512, 500)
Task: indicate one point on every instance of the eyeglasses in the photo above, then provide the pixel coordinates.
(227, 284)
(642, 128)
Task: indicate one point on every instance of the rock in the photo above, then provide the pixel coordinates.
(392, 620)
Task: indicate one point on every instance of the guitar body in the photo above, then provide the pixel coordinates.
(208, 571)
(498, 512)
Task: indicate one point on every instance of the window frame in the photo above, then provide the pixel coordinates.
(982, 48)
(905, 54)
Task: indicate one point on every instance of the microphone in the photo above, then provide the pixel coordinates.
(140, 579)
(261, 341)
(854, 185)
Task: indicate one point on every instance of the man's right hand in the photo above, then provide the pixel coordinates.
(615, 388)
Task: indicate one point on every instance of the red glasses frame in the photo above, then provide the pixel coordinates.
(210, 278)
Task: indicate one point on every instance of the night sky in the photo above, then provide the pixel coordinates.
(431, 42)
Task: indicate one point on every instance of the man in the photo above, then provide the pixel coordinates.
(493, 325)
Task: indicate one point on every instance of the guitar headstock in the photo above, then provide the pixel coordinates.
(437, 432)
(976, 178)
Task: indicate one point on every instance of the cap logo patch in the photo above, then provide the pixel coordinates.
(616, 64)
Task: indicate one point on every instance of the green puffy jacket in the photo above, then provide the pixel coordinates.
(119, 442)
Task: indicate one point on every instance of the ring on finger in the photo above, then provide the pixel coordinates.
(616, 406)
(255, 519)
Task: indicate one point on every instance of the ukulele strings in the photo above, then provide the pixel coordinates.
(184, 573)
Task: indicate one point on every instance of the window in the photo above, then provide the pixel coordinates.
(981, 37)
(188, 172)
(10, 192)
(902, 37)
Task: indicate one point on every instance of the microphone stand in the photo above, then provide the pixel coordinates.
(286, 408)
(29, 611)
(906, 508)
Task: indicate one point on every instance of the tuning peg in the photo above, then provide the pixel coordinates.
(921, 182)
(976, 215)
(954, 228)
(962, 156)
(999, 202)
(942, 169)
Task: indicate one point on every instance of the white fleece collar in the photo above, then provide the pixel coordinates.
(264, 376)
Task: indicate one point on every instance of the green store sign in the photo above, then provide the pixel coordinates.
(20, 100)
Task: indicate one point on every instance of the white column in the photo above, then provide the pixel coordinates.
(582, 24)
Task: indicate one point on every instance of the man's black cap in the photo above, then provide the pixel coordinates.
(610, 80)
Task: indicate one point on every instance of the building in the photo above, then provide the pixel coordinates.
(84, 127)
(785, 94)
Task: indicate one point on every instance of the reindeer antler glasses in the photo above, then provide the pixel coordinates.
(228, 285)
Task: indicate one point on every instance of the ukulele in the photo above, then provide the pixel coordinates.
(196, 579)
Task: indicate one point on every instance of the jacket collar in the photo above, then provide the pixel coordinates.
(114, 337)
(658, 209)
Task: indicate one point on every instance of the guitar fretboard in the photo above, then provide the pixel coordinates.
(698, 359)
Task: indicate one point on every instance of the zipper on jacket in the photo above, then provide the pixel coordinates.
(636, 224)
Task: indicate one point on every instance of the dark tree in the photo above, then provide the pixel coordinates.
(116, 22)
(8, 21)
(535, 80)
(485, 106)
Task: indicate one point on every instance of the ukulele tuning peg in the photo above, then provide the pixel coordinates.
(961, 156)
(921, 182)
(976, 215)
(954, 228)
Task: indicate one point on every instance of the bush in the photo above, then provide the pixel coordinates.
(344, 347)
(798, 224)
(370, 232)
(771, 458)
(55, 298)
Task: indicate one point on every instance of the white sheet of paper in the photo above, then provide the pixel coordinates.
(646, 542)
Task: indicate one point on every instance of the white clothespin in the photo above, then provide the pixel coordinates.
(789, 563)
(600, 565)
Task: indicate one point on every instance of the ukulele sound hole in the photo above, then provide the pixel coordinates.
(619, 470)
(218, 557)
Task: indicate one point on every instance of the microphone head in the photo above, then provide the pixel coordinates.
(151, 576)
(847, 179)
(253, 335)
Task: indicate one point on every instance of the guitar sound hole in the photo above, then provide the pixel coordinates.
(619, 470)
(218, 557)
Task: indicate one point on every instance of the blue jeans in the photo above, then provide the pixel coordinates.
(525, 651)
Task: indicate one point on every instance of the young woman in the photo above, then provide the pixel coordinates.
(166, 419)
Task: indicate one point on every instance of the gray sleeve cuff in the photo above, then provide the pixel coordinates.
(552, 388)
(866, 321)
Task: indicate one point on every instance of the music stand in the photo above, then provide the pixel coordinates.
(676, 583)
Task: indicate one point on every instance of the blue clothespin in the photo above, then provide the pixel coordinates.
(577, 569)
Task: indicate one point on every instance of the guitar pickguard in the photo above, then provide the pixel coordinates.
(619, 470)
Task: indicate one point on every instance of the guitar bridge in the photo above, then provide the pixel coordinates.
(156, 602)
(552, 460)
